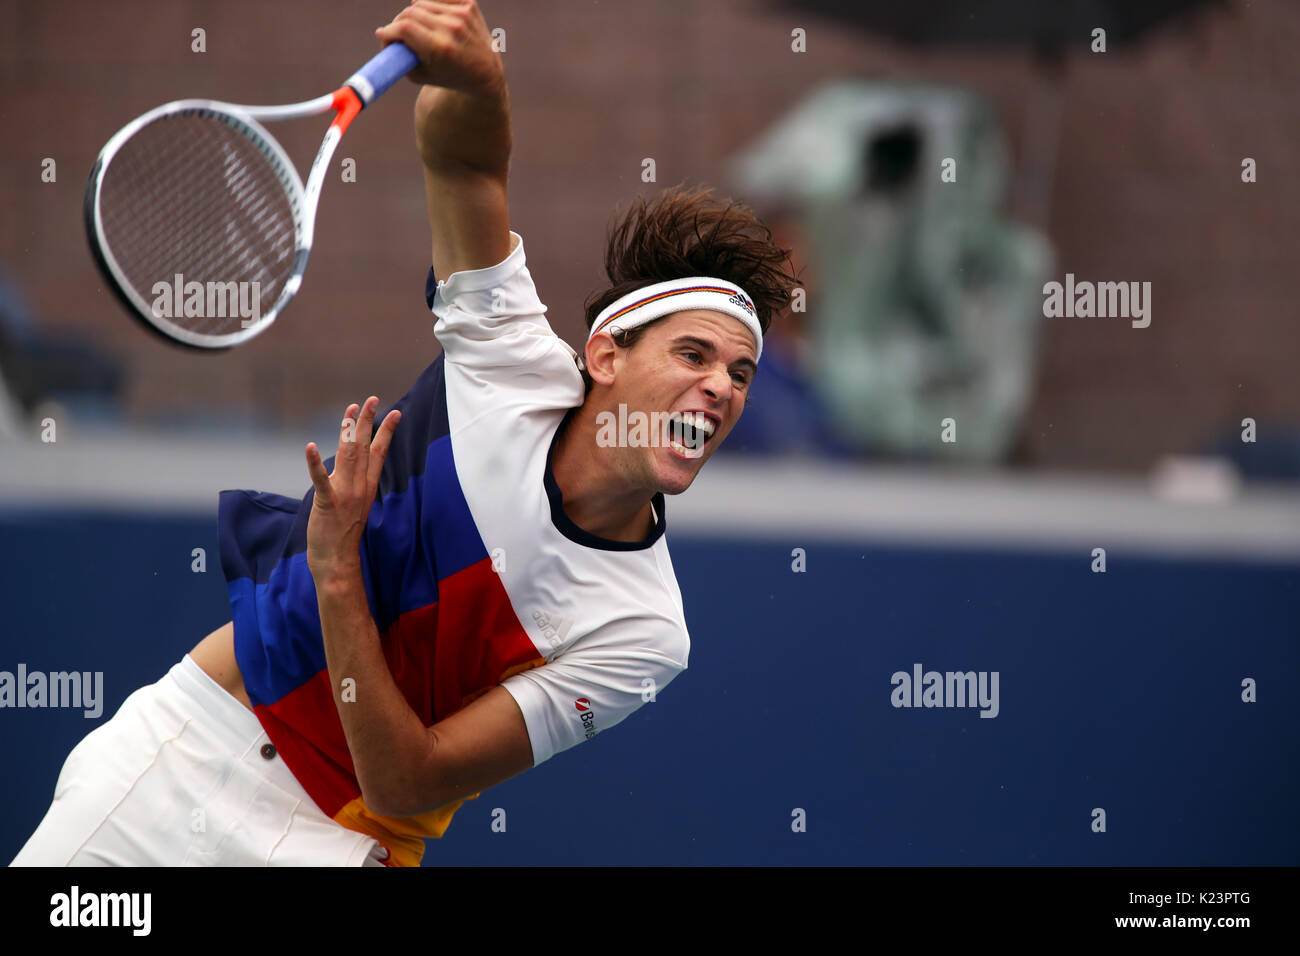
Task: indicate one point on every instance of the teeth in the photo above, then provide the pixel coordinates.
(693, 428)
(699, 421)
(703, 423)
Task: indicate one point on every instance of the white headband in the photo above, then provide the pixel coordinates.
(677, 295)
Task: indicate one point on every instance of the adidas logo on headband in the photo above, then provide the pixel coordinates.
(742, 300)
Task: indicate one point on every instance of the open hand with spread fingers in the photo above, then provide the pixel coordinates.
(344, 498)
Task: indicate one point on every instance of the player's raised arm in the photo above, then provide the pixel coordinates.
(462, 127)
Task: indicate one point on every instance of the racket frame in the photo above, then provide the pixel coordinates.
(368, 83)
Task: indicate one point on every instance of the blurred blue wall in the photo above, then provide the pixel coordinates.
(1117, 690)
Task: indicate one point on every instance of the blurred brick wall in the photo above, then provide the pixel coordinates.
(1147, 187)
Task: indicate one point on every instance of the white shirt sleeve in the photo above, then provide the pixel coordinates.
(493, 319)
(589, 688)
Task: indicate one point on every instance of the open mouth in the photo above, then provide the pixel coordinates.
(689, 432)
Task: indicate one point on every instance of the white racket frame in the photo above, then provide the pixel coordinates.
(303, 201)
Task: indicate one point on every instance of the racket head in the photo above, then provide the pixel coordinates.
(198, 189)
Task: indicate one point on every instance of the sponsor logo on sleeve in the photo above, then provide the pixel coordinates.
(586, 715)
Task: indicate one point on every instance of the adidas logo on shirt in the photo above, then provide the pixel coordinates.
(554, 628)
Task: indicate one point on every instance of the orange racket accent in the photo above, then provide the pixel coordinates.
(348, 104)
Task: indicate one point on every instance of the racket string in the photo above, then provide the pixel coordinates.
(225, 245)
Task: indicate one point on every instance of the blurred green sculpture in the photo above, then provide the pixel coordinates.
(921, 330)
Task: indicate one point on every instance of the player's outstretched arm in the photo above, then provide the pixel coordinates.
(462, 127)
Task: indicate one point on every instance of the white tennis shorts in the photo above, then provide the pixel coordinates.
(184, 775)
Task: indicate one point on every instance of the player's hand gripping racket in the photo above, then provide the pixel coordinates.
(198, 219)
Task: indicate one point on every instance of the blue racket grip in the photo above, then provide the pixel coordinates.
(387, 67)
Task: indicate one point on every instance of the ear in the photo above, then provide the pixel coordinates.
(600, 355)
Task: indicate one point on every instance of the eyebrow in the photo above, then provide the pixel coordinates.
(706, 346)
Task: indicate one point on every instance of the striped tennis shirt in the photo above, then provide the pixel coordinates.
(474, 574)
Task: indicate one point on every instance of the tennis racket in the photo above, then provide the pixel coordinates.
(197, 218)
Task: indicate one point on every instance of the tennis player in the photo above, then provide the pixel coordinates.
(473, 585)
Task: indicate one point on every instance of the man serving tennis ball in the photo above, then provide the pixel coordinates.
(476, 584)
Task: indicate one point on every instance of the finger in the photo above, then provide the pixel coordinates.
(364, 433)
(348, 428)
(427, 8)
(346, 457)
(419, 28)
(319, 478)
(379, 449)
(408, 25)
(366, 424)
(438, 6)
(414, 15)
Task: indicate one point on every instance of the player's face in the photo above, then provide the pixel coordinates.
(694, 368)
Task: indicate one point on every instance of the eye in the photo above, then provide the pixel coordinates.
(740, 378)
(696, 354)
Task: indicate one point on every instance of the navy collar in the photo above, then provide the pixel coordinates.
(564, 524)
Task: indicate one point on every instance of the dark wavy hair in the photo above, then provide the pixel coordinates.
(686, 232)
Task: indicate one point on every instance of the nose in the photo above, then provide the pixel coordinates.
(717, 384)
